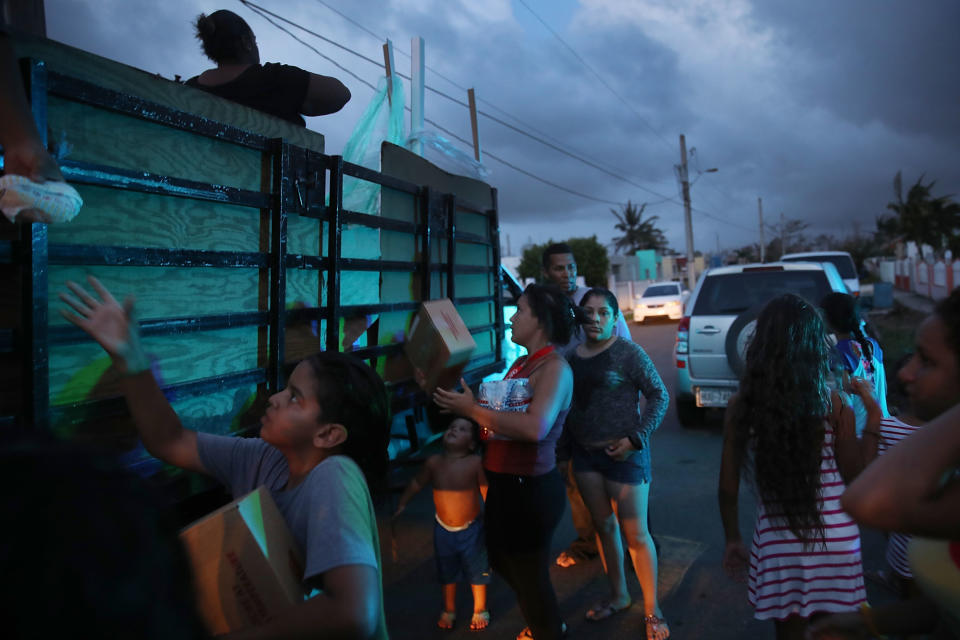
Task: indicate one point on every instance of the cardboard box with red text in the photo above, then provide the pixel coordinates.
(439, 344)
(247, 567)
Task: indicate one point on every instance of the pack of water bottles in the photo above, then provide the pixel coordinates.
(512, 394)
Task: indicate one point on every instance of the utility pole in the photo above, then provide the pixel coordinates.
(783, 235)
(760, 213)
(685, 184)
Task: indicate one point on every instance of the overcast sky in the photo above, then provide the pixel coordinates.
(813, 105)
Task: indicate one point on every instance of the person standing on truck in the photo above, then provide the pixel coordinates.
(319, 436)
(560, 268)
(278, 89)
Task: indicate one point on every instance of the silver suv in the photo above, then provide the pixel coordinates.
(718, 322)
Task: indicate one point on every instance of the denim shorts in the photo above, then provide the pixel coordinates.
(634, 470)
(461, 555)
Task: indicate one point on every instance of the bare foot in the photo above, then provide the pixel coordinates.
(480, 620)
(657, 628)
(447, 618)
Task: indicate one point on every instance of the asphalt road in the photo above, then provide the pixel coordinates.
(697, 598)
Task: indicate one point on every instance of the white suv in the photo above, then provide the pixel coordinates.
(719, 320)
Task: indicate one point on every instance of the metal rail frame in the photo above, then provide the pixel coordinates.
(292, 168)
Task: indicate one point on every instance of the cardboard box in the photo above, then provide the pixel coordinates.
(439, 344)
(247, 566)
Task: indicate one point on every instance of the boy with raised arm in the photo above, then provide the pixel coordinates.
(319, 436)
(459, 486)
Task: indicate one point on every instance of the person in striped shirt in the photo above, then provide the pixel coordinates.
(798, 441)
(883, 432)
(915, 488)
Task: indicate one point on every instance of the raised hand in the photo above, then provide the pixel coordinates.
(112, 326)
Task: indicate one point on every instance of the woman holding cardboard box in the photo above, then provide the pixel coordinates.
(521, 418)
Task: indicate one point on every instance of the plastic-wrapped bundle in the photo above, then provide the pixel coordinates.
(49, 202)
(381, 121)
(447, 156)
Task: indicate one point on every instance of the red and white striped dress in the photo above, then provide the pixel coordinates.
(787, 578)
(892, 431)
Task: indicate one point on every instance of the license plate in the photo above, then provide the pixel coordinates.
(713, 396)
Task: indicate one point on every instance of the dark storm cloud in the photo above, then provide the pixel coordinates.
(814, 106)
(895, 62)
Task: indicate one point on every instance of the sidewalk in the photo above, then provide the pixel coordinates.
(914, 301)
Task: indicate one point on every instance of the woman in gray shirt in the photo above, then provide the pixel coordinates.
(611, 451)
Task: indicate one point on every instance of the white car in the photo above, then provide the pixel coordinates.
(659, 299)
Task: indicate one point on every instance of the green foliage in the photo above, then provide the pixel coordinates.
(921, 217)
(530, 264)
(592, 261)
(591, 256)
(638, 234)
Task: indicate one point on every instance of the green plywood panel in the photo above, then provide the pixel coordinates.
(398, 205)
(304, 235)
(472, 254)
(474, 223)
(138, 145)
(112, 217)
(165, 292)
(180, 358)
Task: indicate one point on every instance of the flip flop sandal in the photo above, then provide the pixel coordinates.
(656, 626)
(480, 621)
(447, 618)
(566, 559)
(604, 611)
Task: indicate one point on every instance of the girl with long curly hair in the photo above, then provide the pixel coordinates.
(797, 441)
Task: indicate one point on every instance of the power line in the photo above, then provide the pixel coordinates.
(493, 106)
(265, 13)
(597, 75)
(266, 16)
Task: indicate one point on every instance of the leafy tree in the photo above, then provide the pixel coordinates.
(591, 256)
(592, 261)
(921, 217)
(638, 234)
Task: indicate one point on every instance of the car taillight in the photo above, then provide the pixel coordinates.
(683, 334)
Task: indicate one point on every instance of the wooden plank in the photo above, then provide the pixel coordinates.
(304, 235)
(78, 373)
(113, 217)
(146, 146)
(166, 292)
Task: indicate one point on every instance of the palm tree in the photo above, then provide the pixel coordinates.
(921, 217)
(638, 234)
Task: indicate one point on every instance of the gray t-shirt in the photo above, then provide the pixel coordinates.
(330, 513)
